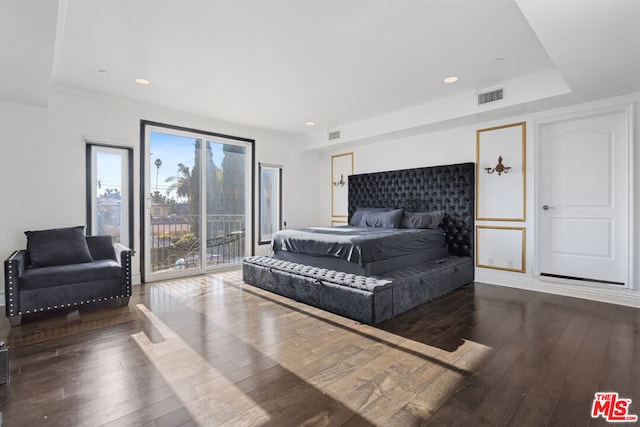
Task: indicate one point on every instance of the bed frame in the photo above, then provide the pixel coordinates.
(449, 188)
(375, 299)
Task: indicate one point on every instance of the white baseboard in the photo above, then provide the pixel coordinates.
(136, 279)
(624, 296)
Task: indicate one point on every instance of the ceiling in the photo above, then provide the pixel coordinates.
(280, 64)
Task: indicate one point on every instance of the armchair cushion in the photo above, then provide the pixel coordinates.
(49, 277)
(57, 246)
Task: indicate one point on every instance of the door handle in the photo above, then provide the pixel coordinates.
(547, 207)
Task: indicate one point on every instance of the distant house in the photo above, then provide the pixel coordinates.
(159, 210)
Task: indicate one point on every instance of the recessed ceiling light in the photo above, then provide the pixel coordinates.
(451, 79)
(142, 81)
(310, 123)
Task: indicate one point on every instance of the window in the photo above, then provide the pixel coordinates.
(109, 192)
(270, 202)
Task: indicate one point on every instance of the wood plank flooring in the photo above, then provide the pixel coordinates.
(213, 351)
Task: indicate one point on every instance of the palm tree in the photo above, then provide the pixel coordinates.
(181, 183)
(158, 163)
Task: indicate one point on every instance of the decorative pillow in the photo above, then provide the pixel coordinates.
(422, 219)
(101, 247)
(378, 219)
(357, 215)
(57, 246)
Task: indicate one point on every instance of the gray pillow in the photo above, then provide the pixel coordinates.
(378, 219)
(101, 247)
(357, 215)
(57, 246)
(422, 219)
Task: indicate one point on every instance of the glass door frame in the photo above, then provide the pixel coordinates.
(146, 127)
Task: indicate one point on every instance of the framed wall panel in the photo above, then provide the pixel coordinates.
(341, 168)
(501, 173)
(501, 248)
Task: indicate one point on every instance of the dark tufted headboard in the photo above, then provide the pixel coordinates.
(450, 188)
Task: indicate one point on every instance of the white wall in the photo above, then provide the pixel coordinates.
(42, 162)
(459, 145)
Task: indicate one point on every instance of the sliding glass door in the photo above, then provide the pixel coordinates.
(198, 201)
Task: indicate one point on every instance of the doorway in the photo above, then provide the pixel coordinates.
(584, 199)
(197, 201)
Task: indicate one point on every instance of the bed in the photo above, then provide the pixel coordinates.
(318, 266)
(445, 195)
(365, 251)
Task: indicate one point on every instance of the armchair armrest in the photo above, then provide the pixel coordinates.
(121, 251)
(123, 257)
(13, 268)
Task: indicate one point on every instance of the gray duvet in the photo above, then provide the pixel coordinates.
(359, 245)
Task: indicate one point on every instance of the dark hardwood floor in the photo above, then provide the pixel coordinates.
(212, 350)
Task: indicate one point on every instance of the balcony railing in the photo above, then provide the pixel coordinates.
(175, 242)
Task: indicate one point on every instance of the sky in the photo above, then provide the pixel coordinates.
(170, 149)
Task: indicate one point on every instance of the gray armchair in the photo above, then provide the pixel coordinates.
(64, 268)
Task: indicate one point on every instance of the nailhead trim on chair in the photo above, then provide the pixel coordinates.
(68, 305)
(11, 284)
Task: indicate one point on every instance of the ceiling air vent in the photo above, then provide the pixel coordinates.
(334, 135)
(494, 95)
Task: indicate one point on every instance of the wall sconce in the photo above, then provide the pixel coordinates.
(341, 183)
(500, 168)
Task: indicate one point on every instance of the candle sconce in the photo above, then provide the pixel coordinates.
(500, 168)
(341, 168)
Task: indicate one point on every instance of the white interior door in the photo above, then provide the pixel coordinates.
(583, 207)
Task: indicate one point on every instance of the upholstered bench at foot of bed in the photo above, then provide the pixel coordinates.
(367, 299)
